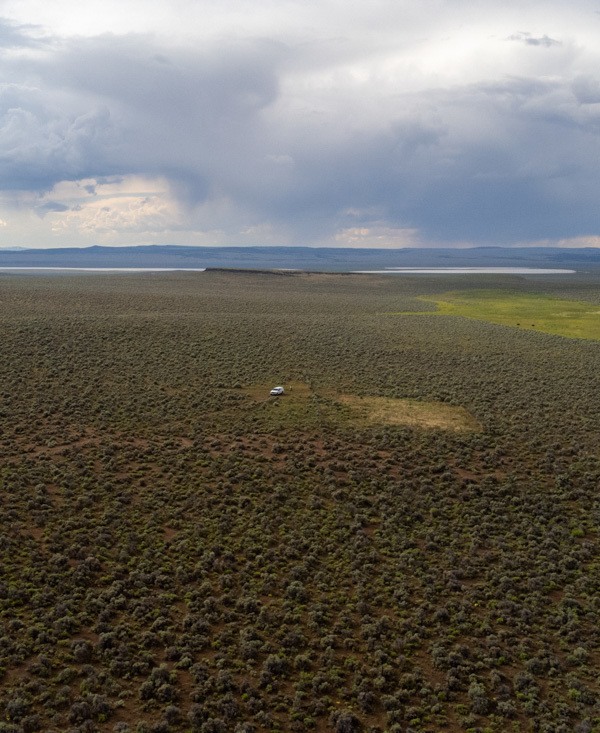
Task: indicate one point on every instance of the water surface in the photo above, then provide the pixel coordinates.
(465, 271)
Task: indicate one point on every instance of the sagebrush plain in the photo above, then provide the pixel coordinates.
(407, 540)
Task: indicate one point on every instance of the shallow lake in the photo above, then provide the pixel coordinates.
(465, 271)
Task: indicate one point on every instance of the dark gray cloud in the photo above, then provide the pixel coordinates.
(41, 143)
(49, 207)
(530, 40)
(115, 106)
(496, 163)
(14, 35)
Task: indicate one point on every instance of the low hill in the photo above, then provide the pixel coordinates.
(306, 258)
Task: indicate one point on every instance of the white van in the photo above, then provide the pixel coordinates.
(276, 391)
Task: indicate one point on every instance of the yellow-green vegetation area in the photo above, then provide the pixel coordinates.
(405, 541)
(571, 318)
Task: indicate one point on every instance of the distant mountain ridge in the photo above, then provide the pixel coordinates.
(324, 259)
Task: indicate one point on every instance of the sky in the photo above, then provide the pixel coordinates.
(392, 123)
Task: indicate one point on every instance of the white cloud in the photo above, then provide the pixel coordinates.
(105, 210)
(381, 237)
(570, 242)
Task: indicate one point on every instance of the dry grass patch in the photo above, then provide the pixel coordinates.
(390, 411)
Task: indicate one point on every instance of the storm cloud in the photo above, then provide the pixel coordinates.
(464, 130)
